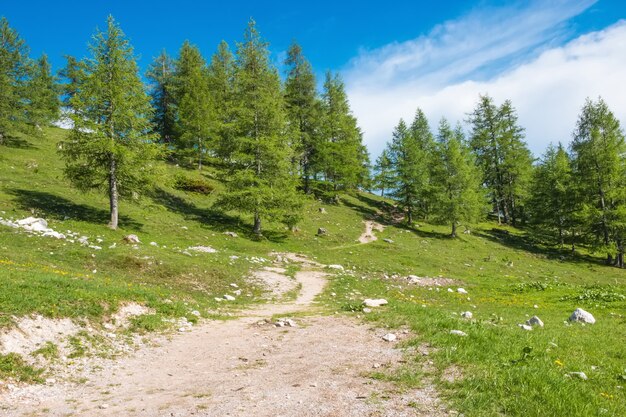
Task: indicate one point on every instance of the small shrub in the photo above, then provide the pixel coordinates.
(596, 294)
(13, 366)
(193, 185)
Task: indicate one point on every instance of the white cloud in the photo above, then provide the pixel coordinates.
(506, 53)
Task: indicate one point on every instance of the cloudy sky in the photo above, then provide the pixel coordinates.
(531, 53)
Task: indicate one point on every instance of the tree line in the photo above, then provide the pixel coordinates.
(274, 140)
(572, 196)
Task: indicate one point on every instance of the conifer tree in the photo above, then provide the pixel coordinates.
(423, 140)
(221, 89)
(501, 153)
(110, 146)
(343, 158)
(599, 169)
(383, 177)
(193, 104)
(553, 201)
(406, 158)
(303, 112)
(160, 74)
(13, 75)
(261, 182)
(73, 73)
(43, 98)
(457, 193)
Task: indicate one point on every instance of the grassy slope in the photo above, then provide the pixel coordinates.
(504, 275)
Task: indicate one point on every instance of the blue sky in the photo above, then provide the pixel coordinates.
(544, 55)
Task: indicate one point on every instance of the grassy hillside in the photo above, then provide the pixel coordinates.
(500, 368)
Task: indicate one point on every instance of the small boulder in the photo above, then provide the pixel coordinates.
(461, 291)
(367, 310)
(458, 333)
(322, 210)
(534, 321)
(389, 337)
(579, 375)
(229, 297)
(467, 315)
(388, 240)
(582, 316)
(525, 327)
(338, 267)
(369, 302)
(231, 234)
(132, 239)
(321, 231)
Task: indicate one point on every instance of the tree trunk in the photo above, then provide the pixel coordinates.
(113, 194)
(453, 234)
(257, 224)
(561, 241)
(409, 216)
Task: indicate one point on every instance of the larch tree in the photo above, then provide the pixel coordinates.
(344, 162)
(422, 139)
(160, 75)
(261, 181)
(111, 146)
(408, 175)
(599, 168)
(14, 65)
(193, 104)
(221, 74)
(457, 193)
(553, 202)
(383, 173)
(43, 94)
(303, 113)
(505, 161)
(73, 74)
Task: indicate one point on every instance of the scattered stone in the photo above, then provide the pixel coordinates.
(338, 267)
(285, 323)
(322, 231)
(103, 406)
(322, 210)
(582, 316)
(388, 240)
(450, 290)
(525, 327)
(370, 302)
(389, 337)
(467, 315)
(229, 297)
(154, 244)
(195, 313)
(202, 249)
(467, 232)
(367, 310)
(461, 291)
(132, 239)
(234, 285)
(534, 321)
(231, 234)
(458, 333)
(580, 375)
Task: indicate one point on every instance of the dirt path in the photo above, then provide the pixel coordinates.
(242, 367)
(368, 235)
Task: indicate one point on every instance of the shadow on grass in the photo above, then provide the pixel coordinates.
(16, 142)
(212, 218)
(58, 208)
(529, 243)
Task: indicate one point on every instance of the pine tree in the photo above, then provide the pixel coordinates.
(501, 153)
(160, 73)
(13, 75)
(303, 112)
(110, 146)
(425, 143)
(458, 197)
(406, 159)
(43, 100)
(221, 88)
(383, 177)
(73, 73)
(553, 201)
(343, 158)
(599, 161)
(193, 104)
(261, 181)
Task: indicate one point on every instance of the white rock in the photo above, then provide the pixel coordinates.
(389, 337)
(450, 290)
(369, 302)
(132, 239)
(367, 310)
(525, 327)
(195, 313)
(580, 375)
(104, 406)
(154, 244)
(338, 267)
(388, 240)
(582, 316)
(534, 321)
(229, 297)
(83, 240)
(467, 315)
(461, 291)
(234, 285)
(231, 234)
(458, 333)
(203, 249)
